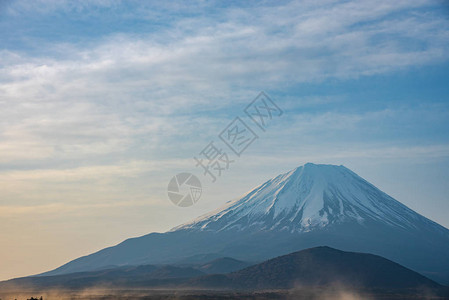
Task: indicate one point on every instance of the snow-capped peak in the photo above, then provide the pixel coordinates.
(308, 197)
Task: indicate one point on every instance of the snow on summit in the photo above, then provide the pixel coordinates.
(306, 198)
(309, 206)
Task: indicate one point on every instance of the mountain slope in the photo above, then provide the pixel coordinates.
(116, 277)
(320, 266)
(311, 197)
(309, 206)
(314, 267)
(223, 265)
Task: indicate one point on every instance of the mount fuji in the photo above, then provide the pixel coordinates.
(312, 205)
(309, 198)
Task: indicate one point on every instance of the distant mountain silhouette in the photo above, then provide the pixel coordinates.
(309, 206)
(320, 266)
(315, 267)
(131, 276)
(223, 265)
(198, 259)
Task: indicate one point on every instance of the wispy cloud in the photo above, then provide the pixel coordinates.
(99, 99)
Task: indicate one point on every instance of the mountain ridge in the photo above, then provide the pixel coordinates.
(318, 267)
(307, 198)
(309, 206)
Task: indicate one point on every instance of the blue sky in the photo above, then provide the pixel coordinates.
(102, 102)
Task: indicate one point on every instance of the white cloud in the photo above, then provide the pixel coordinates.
(209, 63)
